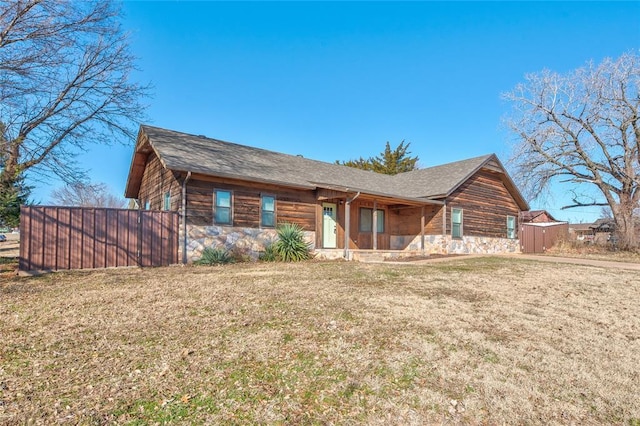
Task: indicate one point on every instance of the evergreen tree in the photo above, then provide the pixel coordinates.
(360, 163)
(389, 162)
(13, 190)
(393, 162)
(13, 193)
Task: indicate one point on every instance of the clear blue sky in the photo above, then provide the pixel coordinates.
(337, 80)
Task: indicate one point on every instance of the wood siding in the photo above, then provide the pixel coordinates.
(364, 240)
(406, 221)
(294, 206)
(486, 203)
(399, 220)
(156, 180)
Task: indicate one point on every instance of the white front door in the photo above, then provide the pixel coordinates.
(329, 225)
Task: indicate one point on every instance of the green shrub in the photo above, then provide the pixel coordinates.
(291, 246)
(214, 256)
(269, 254)
(240, 255)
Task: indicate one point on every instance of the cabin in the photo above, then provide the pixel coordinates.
(233, 196)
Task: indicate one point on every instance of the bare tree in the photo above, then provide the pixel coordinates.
(86, 195)
(64, 83)
(583, 128)
(605, 213)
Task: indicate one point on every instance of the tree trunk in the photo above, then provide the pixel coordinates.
(625, 225)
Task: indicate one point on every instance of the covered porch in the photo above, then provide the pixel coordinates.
(355, 223)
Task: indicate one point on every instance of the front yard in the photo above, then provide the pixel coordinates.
(484, 340)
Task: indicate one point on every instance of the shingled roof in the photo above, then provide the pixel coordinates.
(440, 181)
(185, 152)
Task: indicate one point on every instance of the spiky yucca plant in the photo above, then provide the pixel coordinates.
(269, 254)
(214, 256)
(291, 246)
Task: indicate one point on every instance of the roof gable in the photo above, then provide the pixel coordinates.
(538, 215)
(440, 181)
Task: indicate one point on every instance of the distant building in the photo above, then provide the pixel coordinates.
(598, 232)
(537, 216)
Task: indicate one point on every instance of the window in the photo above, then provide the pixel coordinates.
(268, 211)
(511, 227)
(456, 223)
(167, 200)
(147, 205)
(222, 207)
(366, 220)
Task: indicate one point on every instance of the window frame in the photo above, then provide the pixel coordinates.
(460, 224)
(512, 233)
(262, 210)
(379, 223)
(216, 206)
(166, 201)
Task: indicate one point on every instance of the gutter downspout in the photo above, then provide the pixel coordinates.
(347, 224)
(444, 229)
(184, 218)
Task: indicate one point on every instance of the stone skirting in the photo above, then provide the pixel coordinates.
(438, 244)
(251, 241)
(244, 241)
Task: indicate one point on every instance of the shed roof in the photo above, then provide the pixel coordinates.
(185, 152)
(531, 215)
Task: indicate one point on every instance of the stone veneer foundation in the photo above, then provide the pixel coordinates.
(252, 241)
(245, 241)
(438, 244)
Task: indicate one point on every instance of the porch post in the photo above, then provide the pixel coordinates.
(347, 223)
(444, 227)
(444, 220)
(184, 218)
(422, 230)
(374, 225)
(347, 226)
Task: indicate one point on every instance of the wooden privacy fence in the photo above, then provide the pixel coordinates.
(54, 238)
(539, 237)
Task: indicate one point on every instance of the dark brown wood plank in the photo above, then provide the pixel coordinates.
(100, 246)
(156, 180)
(49, 244)
(156, 239)
(122, 237)
(75, 237)
(64, 239)
(88, 238)
(486, 203)
(133, 237)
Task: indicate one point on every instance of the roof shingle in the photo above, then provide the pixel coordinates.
(198, 154)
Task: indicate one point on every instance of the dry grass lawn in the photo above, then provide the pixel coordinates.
(475, 341)
(593, 251)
